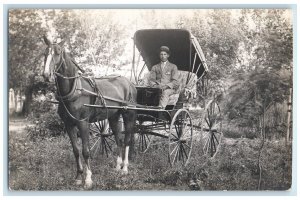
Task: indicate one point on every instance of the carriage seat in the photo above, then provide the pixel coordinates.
(186, 89)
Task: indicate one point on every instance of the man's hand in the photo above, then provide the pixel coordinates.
(164, 87)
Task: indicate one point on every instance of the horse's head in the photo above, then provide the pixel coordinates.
(53, 58)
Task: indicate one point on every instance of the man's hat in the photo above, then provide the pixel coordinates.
(165, 49)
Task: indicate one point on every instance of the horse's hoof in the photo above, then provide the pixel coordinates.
(88, 185)
(124, 172)
(78, 182)
(118, 169)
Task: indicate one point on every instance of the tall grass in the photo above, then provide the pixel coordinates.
(48, 164)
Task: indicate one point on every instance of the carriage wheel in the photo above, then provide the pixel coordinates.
(144, 139)
(101, 139)
(211, 129)
(180, 138)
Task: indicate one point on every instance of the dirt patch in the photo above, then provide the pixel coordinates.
(18, 125)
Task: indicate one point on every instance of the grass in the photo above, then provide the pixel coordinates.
(48, 165)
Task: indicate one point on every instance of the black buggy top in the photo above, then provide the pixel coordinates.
(185, 50)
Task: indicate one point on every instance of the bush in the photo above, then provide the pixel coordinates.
(46, 121)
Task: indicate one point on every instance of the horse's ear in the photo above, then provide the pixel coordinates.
(46, 40)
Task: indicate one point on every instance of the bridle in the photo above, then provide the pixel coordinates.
(62, 61)
(75, 92)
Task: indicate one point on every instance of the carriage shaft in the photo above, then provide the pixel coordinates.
(127, 108)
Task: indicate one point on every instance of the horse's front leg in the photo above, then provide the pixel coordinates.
(72, 133)
(116, 129)
(84, 132)
(129, 123)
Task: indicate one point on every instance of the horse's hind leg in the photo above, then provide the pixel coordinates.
(84, 133)
(129, 121)
(116, 129)
(72, 132)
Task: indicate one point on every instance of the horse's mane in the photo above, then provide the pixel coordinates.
(70, 61)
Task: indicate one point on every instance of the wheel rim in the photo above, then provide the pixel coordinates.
(212, 129)
(180, 138)
(101, 139)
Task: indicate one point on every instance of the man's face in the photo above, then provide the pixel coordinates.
(163, 56)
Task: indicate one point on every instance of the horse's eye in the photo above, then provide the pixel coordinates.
(47, 51)
(57, 50)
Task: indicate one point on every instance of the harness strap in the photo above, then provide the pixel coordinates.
(72, 116)
(72, 96)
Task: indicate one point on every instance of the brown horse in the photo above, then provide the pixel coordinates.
(73, 91)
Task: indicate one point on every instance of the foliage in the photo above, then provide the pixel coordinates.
(24, 56)
(265, 83)
(46, 121)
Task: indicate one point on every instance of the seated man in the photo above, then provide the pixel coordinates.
(165, 76)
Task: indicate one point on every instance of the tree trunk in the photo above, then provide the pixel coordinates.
(28, 101)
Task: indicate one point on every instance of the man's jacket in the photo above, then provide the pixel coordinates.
(168, 76)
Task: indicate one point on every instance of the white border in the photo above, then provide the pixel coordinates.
(212, 3)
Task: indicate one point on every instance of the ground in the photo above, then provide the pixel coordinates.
(49, 164)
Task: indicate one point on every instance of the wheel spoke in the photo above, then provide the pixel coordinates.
(175, 136)
(145, 142)
(186, 131)
(97, 147)
(176, 141)
(207, 122)
(180, 156)
(95, 143)
(174, 149)
(98, 126)
(93, 129)
(108, 145)
(213, 147)
(175, 157)
(186, 145)
(177, 128)
(142, 142)
(206, 146)
(104, 147)
(111, 139)
(139, 139)
(184, 152)
(214, 136)
(148, 139)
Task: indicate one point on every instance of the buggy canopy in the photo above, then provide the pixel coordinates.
(185, 50)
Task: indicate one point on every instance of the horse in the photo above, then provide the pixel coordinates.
(73, 90)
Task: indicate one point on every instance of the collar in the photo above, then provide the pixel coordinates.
(73, 94)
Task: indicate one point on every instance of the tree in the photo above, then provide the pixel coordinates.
(25, 52)
(219, 36)
(265, 81)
